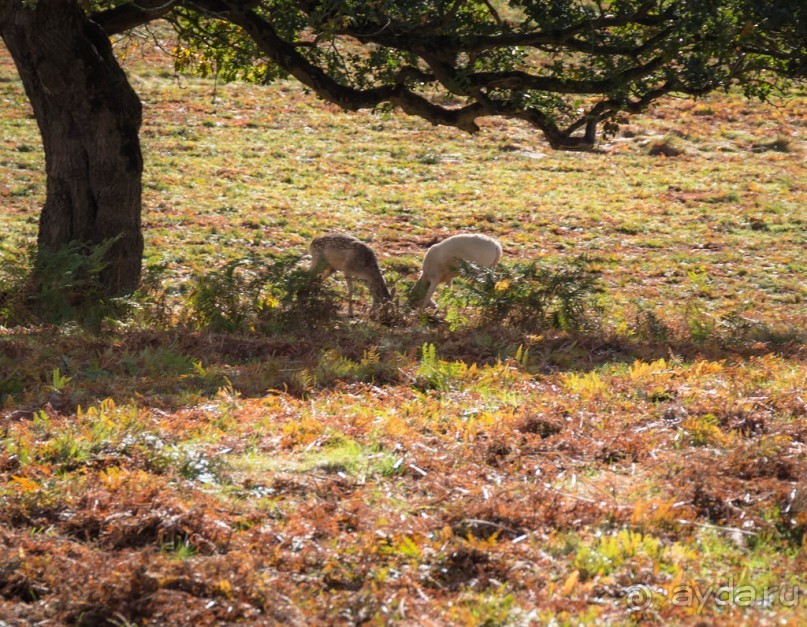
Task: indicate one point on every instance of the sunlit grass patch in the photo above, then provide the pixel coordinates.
(331, 453)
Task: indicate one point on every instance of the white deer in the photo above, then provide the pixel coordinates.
(441, 261)
(354, 259)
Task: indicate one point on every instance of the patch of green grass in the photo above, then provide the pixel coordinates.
(612, 551)
(179, 550)
(331, 453)
(342, 455)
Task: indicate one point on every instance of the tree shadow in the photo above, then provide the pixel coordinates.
(63, 368)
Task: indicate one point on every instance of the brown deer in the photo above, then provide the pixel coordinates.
(354, 259)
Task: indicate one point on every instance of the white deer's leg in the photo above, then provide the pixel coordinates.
(415, 296)
(427, 301)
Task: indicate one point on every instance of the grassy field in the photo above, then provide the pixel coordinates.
(204, 460)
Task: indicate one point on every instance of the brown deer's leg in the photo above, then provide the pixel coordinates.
(349, 297)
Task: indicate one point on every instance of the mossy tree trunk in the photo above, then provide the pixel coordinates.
(89, 117)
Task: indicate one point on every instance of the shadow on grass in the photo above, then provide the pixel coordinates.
(65, 367)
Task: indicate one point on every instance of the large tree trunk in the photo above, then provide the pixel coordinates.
(89, 117)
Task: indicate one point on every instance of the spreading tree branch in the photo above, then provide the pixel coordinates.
(617, 58)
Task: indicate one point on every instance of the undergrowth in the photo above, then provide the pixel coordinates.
(57, 286)
(258, 295)
(531, 296)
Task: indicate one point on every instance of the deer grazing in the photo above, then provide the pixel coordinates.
(440, 262)
(354, 259)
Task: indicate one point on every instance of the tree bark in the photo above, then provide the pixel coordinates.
(89, 118)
